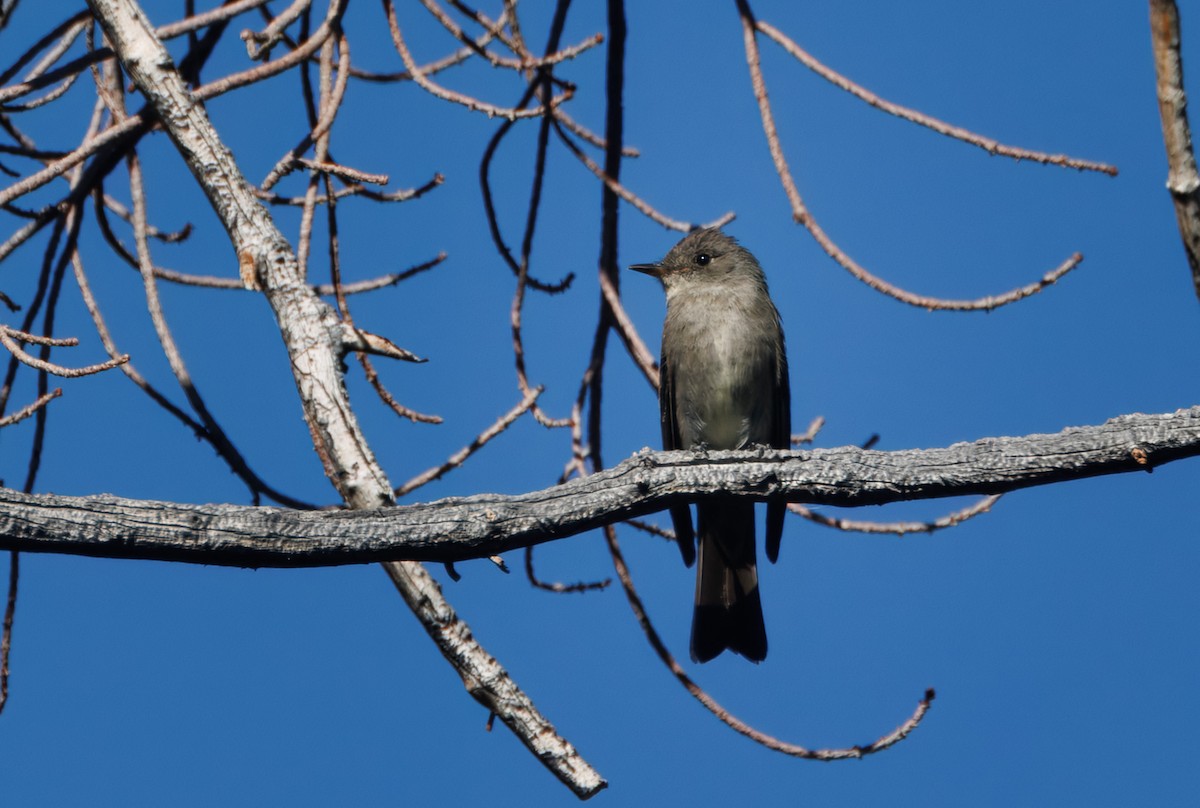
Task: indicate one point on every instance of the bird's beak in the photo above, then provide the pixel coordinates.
(648, 269)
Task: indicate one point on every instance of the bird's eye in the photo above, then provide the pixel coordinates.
(703, 259)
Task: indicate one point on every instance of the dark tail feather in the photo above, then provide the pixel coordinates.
(728, 611)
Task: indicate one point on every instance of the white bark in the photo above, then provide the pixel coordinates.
(313, 336)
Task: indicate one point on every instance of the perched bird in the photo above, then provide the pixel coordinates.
(724, 385)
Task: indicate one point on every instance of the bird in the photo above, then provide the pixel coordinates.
(723, 385)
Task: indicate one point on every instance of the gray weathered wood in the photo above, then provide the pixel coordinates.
(487, 524)
(314, 338)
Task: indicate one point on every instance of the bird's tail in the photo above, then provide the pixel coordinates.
(728, 607)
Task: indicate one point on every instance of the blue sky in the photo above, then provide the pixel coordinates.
(1059, 629)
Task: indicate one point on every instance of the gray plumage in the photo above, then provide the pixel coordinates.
(724, 385)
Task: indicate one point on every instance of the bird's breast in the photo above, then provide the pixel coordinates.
(722, 349)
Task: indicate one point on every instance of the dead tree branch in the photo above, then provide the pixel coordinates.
(487, 524)
(1183, 180)
(310, 331)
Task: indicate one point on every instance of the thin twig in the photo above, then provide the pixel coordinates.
(226, 11)
(31, 408)
(10, 608)
(371, 284)
(354, 189)
(217, 435)
(896, 528)
(68, 28)
(652, 529)
(497, 28)
(458, 458)
(588, 135)
(471, 103)
(93, 307)
(527, 62)
(259, 43)
(489, 208)
(170, 31)
(165, 236)
(331, 94)
(941, 127)
(8, 341)
(342, 172)
(637, 349)
(558, 587)
(803, 217)
(390, 400)
(23, 336)
(113, 134)
(330, 106)
(629, 196)
(734, 723)
(438, 65)
(810, 434)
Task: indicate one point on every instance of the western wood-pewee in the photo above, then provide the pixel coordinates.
(723, 385)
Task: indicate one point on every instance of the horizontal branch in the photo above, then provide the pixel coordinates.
(487, 524)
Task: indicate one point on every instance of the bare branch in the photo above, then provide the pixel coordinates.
(114, 134)
(69, 28)
(343, 172)
(390, 400)
(10, 608)
(22, 336)
(637, 349)
(1183, 179)
(169, 31)
(629, 196)
(491, 110)
(730, 720)
(332, 101)
(167, 237)
(520, 269)
(479, 526)
(110, 346)
(9, 338)
(491, 685)
(58, 168)
(941, 127)
(371, 284)
(438, 65)
(810, 434)
(558, 587)
(802, 216)
(460, 457)
(31, 408)
(354, 189)
(357, 287)
(898, 528)
(588, 135)
(355, 339)
(259, 43)
(309, 329)
(226, 11)
(527, 62)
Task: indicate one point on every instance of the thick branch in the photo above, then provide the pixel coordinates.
(313, 336)
(1183, 179)
(487, 524)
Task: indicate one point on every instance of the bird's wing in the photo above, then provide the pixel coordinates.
(681, 515)
(781, 438)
